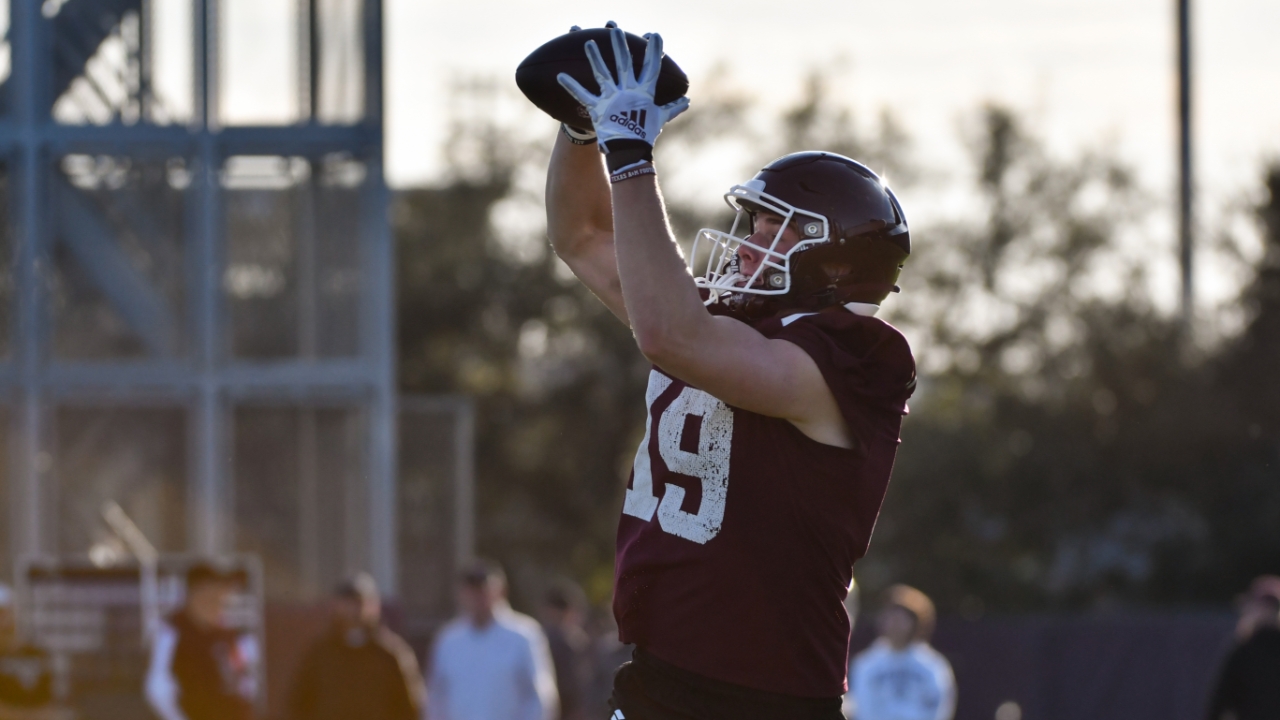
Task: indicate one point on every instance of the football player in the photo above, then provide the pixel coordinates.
(774, 407)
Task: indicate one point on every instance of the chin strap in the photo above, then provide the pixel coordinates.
(751, 308)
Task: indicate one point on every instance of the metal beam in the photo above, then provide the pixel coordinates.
(378, 343)
(169, 140)
(144, 140)
(212, 505)
(373, 71)
(92, 241)
(1186, 199)
(291, 377)
(463, 411)
(29, 45)
(308, 140)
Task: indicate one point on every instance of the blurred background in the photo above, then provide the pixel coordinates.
(275, 286)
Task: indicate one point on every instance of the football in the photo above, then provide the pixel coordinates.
(536, 75)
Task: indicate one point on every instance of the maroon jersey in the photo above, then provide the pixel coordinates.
(739, 533)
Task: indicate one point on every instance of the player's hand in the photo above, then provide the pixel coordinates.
(624, 114)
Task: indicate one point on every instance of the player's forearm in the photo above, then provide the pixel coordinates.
(580, 223)
(666, 313)
(578, 205)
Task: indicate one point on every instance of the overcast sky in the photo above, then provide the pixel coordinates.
(1087, 71)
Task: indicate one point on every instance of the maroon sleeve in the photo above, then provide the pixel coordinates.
(866, 362)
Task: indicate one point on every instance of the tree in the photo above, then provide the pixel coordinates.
(1072, 457)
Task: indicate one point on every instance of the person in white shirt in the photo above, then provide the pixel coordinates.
(852, 604)
(900, 677)
(491, 663)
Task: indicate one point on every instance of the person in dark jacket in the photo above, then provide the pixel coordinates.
(359, 668)
(202, 668)
(1248, 686)
(563, 608)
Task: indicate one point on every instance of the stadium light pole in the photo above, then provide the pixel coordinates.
(1185, 189)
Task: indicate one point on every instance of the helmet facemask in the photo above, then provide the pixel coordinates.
(773, 277)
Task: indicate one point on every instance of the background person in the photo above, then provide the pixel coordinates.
(852, 604)
(491, 663)
(26, 674)
(608, 654)
(359, 668)
(1248, 685)
(563, 609)
(201, 668)
(900, 677)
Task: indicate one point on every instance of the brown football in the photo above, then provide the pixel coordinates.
(536, 75)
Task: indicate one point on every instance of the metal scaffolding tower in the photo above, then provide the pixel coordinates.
(198, 318)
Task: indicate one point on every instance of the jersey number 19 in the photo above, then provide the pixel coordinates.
(710, 464)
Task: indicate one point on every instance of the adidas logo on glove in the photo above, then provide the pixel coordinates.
(633, 121)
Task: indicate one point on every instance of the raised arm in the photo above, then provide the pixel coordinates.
(580, 220)
(721, 356)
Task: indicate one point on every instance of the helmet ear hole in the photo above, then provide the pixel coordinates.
(836, 270)
(813, 229)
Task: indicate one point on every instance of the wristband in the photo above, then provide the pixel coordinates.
(578, 137)
(620, 154)
(634, 171)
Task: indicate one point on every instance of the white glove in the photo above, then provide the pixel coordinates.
(624, 113)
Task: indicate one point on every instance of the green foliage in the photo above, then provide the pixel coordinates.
(1066, 452)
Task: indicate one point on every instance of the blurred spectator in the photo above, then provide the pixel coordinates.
(900, 677)
(563, 610)
(852, 603)
(359, 668)
(201, 668)
(1248, 686)
(492, 663)
(608, 654)
(26, 675)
